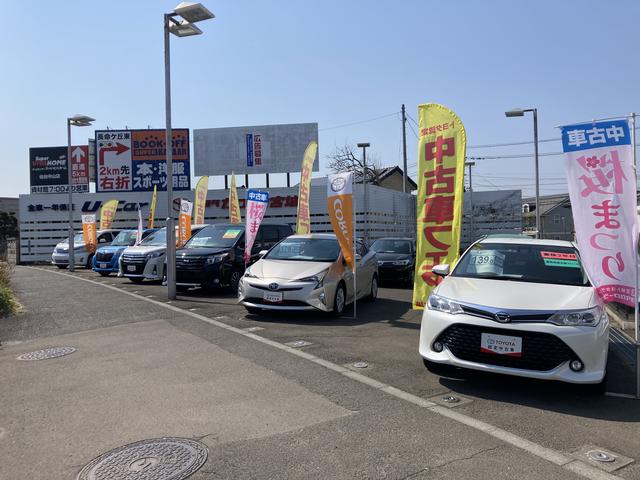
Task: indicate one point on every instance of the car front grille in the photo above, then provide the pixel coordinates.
(279, 289)
(284, 303)
(540, 351)
(134, 259)
(104, 256)
(513, 315)
(190, 263)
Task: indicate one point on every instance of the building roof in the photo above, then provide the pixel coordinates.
(382, 173)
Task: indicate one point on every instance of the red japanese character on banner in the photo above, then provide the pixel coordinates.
(430, 235)
(440, 180)
(442, 147)
(439, 209)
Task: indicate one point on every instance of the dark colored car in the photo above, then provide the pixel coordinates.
(396, 259)
(214, 257)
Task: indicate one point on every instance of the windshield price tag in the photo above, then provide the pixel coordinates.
(232, 233)
(560, 259)
(487, 261)
(199, 241)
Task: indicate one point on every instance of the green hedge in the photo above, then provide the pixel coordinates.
(7, 305)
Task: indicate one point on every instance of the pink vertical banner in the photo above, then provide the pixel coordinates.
(602, 187)
(256, 207)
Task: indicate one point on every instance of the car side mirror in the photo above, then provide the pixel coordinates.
(262, 253)
(102, 240)
(441, 270)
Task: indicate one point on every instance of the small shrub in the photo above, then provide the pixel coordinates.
(5, 274)
(7, 304)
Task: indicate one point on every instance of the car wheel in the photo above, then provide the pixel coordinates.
(234, 280)
(374, 289)
(339, 300)
(89, 263)
(136, 279)
(411, 278)
(104, 274)
(253, 310)
(61, 267)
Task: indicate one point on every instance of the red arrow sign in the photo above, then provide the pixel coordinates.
(118, 148)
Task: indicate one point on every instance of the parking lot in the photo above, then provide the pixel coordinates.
(383, 339)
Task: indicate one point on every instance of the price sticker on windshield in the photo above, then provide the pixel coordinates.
(487, 261)
(199, 241)
(560, 259)
(231, 233)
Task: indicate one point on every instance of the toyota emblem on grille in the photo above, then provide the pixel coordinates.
(273, 286)
(502, 317)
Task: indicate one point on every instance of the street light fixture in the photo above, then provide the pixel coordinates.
(189, 13)
(519, 112)
(77, 120)
(364, 147)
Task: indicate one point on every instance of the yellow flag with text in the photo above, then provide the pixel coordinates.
(304, 218)
(442, 144)
(108, 213)
(152, 208)
(200, 200)
(340, 209)
(234, 204)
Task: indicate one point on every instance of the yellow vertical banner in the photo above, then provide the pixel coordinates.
(108, 213)
(152, 208)
(340, 207)
(200, 200)
(442, 147)
(89, 234)
(234, 203)
(303, 224)
(184, 222)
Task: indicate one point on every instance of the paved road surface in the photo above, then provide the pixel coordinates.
(146, 369)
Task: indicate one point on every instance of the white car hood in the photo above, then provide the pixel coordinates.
(143, 249)
(516, 295)
(287, 269)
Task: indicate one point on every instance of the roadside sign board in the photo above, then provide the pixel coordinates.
(253, 149)
(49, 170)
(135, 160)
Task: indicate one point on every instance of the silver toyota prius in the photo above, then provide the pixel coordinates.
(308, 272)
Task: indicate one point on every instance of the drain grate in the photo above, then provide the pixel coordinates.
(46, 353)
(360, 365)
(155, 459)
(604, 459)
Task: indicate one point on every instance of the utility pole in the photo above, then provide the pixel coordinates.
(404, 150)
(473, 226)
(364, 147)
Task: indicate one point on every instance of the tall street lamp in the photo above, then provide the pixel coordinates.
(179, 23)
(519, 112)
(471, 164)
(77, 120)
(364, 147)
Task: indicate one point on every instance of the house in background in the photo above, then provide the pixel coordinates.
(556, 219)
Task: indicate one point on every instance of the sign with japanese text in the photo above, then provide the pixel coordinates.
(340, 208)
(602, 188)
(200, 202)
(135, 160)
(303, 224)
(89, 234)
(441, 151)
(49, 170)
(184, 222)
(234, 203)
(256, 207)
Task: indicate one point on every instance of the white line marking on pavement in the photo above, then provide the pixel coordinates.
(579, 468)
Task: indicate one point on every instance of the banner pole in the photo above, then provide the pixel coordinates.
(355, 238)
(635, 303)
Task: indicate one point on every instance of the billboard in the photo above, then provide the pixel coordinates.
(254, 149)
(49, 171)
(134, 160)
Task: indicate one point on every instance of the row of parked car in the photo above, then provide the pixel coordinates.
(310, 268)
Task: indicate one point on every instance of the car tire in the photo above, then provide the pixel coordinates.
(61, 267)
(104, 274)
(374, 289)
(339, 300)
(234, 280)
(136, 279)
(89, 264)
(411, 278)
(254, 310)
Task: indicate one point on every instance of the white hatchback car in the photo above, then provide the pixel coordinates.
(521, 307)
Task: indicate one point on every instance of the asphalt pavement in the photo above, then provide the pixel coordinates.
(148, 368)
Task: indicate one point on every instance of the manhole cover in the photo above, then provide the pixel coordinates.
(360, 365)
(45, 353)
(600, 456)
(157, 459)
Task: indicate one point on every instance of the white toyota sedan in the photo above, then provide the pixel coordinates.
(521, 307)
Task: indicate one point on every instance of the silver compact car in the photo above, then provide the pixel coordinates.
(307, 272)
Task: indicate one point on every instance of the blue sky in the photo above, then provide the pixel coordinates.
(332, 62)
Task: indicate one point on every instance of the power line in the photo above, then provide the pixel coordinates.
(359, 122)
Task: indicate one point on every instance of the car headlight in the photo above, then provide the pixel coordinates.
(248, 274)
(442, 304)
(216, 258)
(588, 318)
(154, 254)
(402, 263)
(318, 278)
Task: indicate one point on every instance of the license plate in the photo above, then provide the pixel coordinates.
(273, 297)
(131, 268)
(103, 265)
(501, 344)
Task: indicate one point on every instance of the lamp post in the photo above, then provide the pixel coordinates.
(77, 120)
(364, 147)
(471, 164)
(519, 112)
(179, 23)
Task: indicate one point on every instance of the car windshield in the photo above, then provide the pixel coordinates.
(77, 238)
(388, 245)
(216, 237)
(125, 238)
(523, 263)
(306, 249)
(157, 238)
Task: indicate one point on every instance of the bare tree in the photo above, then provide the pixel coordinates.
(343, 159)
